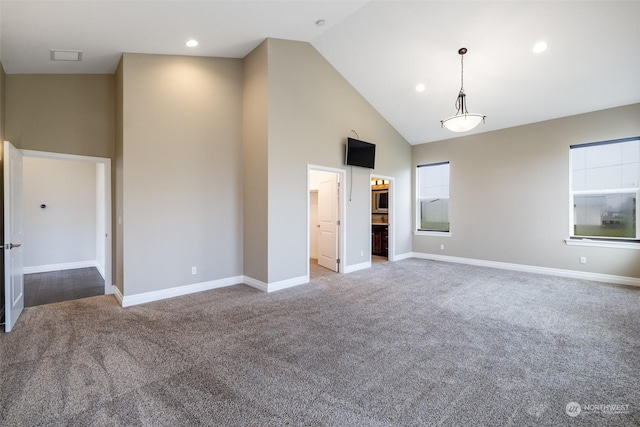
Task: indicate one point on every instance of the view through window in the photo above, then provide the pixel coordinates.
(433, 197)
(605, 181)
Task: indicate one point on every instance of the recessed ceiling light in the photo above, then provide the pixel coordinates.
(320, 22)
(192, 43)
(421, 87)
(540, 47)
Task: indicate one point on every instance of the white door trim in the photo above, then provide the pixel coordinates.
(391, 253)
(342, 173)
(108, 279)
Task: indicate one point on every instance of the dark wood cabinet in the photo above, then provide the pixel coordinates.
(379, 240)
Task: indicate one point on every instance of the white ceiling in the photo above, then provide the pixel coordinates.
(383, 48)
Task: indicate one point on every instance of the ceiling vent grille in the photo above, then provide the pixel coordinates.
(66, 55)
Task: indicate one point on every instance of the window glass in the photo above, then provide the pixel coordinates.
(433, 197)
(605, 181)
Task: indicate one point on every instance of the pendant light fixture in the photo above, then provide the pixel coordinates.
(463, 120)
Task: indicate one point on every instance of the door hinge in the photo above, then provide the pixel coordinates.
(338, 222)
(338, 261)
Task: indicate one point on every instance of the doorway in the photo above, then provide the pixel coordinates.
(382, 214)
(67, 230)
(325, 221)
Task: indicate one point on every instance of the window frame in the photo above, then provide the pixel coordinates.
(423, 232)
(602, 241)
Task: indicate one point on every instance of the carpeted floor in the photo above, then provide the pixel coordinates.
(410, 343)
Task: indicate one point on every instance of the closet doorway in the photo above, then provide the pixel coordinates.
(325, 220)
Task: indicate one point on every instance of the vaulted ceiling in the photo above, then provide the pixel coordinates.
(383, 48)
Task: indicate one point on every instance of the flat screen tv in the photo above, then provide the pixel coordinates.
(360, 153)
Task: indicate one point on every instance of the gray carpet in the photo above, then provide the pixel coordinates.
(410, 343)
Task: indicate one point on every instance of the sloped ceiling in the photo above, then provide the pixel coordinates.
(383, 48)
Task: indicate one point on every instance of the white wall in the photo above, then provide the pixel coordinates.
(65, 231)
(316, 177)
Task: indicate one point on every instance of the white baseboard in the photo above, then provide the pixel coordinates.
(118, 294)
(597, 277)
(275, 286)
(255, 283)
(400, 257)
(357, 267)
(129, 300)
(58, 267)
(289, 283)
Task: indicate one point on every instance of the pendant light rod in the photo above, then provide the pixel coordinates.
(462, 51)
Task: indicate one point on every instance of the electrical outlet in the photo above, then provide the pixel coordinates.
(583, 260)
(442, 247)
(361, 253)
(194, 270)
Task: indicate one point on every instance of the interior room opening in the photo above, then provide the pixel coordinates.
(325, 229)
(381, 213)
(67, 232)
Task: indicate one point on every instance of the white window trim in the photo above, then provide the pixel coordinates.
(417, 231)
(609, 191)
(432, 233)
(574, 240)
(617, 244)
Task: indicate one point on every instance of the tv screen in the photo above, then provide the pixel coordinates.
(360, 153)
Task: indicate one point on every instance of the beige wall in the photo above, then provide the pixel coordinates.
(312, 110)
(181, 170)
(61, 113)
(117, 184)
(254, 154)
(3, 77)
(510, 193)
(210, 167)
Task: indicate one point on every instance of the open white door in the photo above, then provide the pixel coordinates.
(328, 194)
(13, 276)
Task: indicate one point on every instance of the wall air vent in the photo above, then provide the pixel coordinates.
(66, 55)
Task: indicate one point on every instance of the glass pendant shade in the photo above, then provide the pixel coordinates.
(463, 120)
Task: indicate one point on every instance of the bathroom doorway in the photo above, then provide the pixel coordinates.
(382, 248)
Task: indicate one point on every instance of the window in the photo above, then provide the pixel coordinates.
(433, 197)
(605, 181)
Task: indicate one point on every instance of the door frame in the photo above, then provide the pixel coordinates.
(108, 241)
(342, 202)
(391, 245)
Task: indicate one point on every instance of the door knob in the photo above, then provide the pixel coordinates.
(12, 245)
